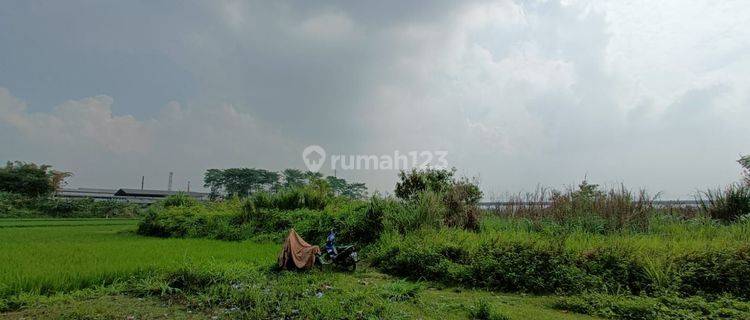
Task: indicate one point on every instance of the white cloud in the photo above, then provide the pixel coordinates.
(81, 134)
(85, 121)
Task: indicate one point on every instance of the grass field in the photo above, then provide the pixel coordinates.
(83, 268)
(55, 222)
(47, 256)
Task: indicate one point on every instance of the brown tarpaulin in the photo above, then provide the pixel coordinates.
(297, 253)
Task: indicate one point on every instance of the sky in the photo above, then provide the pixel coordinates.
(518, 94)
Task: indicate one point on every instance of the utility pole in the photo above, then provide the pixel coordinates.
(188, 186)
(142, 179)
(169, 187)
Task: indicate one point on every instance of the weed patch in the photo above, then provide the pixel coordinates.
(540, 266)
(665, 307)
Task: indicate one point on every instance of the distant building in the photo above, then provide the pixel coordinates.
(126, 195)
(96, 194)
(157, 193)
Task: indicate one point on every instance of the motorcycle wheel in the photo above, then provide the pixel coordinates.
(350, 265)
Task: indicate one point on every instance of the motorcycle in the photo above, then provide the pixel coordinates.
(346, 258)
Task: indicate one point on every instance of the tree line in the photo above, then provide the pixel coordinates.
(243, 182)
(30, 179)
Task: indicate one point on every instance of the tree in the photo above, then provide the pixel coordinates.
(31, 179)
(429, 179)
(57, 178)
(311, 176)
(355, 190)
(240, 182)
(214, 181)
(266, 180)
(337, 185)
(340, 187)
(745, 163)
(293, 178)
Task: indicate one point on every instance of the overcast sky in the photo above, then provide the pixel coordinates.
(653, 94)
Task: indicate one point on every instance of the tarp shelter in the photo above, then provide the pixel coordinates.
(297, 253)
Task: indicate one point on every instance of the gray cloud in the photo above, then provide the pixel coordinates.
(518, 93)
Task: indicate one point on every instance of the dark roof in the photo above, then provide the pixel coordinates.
(86, 193)
(88, 190)
(155, 193)
(97, 190)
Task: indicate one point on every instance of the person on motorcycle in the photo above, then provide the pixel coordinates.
(331, 245)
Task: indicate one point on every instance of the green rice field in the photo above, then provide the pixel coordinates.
(47, 256)
(78, 268)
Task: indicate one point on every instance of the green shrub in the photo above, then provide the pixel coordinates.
(19, 206)
(715, 272)
(179, 200)
(483, 311)
(14, 205)
(439, 198)
(259, 218)
(178, 217)
(460, 202)
(726, 205)
(414, 182)
(314, 197)
(366, 226)
(643, 308)
(619, 269)
(401, 290)
(453, 257)
(458, 257)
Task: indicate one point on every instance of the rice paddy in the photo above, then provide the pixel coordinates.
(48, 256)
(76, 268)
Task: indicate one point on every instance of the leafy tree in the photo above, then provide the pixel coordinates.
(458, 198)
(586, 193)
(313, 176)
(429, 179)
(267, 181)
(240, 182)
(340, 187)
(243, 182)
(294, 178)
(31, 179)
(469, 191)
(337, 185)
(355, 190)
(57, 178)
(214, 181)
(745, 163)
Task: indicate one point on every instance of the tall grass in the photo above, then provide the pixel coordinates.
(728, 204)
(665, 237)
(585, 208)
(309, 197)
